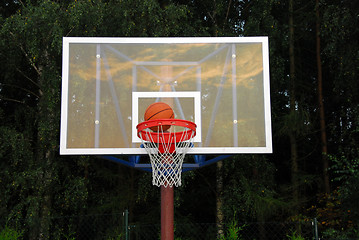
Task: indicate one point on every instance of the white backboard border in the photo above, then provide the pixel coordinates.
(140, 151)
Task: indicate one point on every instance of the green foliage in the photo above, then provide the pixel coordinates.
(37, 184)
(294, 236)
(119, 237)
(251, 191)
(233, 231)
(346, 169)
(297, 122)
(346, 172)
(341, 234)
(341, 59)
(332, 214)
(8, 233)
(69, 236)
(260, 21)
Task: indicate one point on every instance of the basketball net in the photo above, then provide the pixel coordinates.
(167, 147)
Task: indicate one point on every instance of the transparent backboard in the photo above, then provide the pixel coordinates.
(221, 84)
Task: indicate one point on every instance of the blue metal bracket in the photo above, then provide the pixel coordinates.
(199, 161)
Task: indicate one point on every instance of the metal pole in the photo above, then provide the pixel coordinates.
(167, 213)
(315, 227)
(126, 223)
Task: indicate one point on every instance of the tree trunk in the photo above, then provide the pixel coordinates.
(46, 149)
(132, 195)
(293, 102)
(294, 170)
(46, 177)
(321, 103)
(260, 216)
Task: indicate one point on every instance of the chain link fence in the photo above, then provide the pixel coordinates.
(207, 231)
(116, 227)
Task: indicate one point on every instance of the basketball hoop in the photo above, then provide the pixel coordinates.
(166, 149)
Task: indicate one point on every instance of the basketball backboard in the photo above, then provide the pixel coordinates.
(221, 84)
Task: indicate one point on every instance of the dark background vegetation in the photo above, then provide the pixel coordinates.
(314, 64)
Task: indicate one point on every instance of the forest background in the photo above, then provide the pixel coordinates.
(314, 69)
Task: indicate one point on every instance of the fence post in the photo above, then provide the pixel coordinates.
(315, 228)
(125, 214)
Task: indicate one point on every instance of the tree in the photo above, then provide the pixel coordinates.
(293, 105)
(340, 59)
(323, 133)
(38, 183)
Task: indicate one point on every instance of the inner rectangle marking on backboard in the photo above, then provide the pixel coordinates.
(195, 95)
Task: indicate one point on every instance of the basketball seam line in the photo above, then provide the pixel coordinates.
(160, 112)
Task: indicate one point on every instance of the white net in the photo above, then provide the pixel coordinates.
(167, 150)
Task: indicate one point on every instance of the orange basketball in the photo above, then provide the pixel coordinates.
(159, 110)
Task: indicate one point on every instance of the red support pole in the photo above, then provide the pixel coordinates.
(167, 213)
